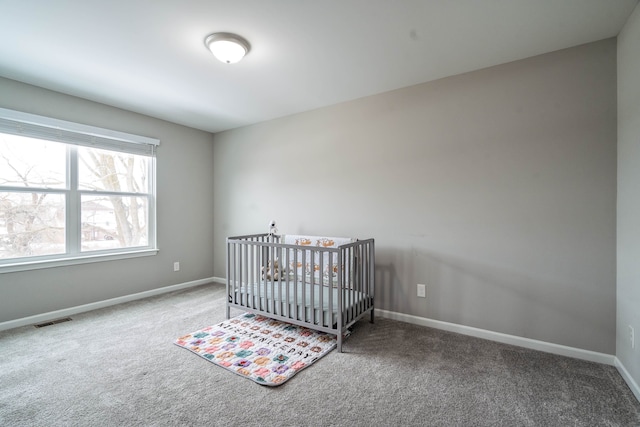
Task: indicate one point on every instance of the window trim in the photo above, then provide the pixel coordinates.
(41, 127)
(36, 264)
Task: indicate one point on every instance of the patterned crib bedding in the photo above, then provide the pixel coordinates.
(307, 263)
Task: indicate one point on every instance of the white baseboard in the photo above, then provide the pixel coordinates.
(561, 350)
(633, 385)
(52, 315)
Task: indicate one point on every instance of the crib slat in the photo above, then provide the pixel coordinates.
(235, 274)
(313, 288)
(257, 275)
(284, 277)
(321, 288)
(228, 309)
(281, 301)
(355, 310)
(344, 283)
(347, 284)
(295, 284)
(339, 311)
(244, 274)
(272, 298)
(357, 290)
(304, 286)
(331, 286)
(351, 284)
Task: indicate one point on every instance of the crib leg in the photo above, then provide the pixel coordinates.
(339, 341)
(372, 315)
(228, 312)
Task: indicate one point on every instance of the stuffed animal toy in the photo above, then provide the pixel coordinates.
(273, 271)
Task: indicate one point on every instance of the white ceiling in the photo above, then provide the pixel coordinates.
(149, 56)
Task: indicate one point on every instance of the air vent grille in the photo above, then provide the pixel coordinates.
(53, 322)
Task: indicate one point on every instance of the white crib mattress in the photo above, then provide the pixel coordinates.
(265, 297)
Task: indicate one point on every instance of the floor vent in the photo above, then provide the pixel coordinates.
(53, 322)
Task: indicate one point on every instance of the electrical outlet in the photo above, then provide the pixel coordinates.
(632, 337)
(422, 290)
(176, 266)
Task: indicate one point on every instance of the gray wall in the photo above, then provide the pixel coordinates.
(629, 194)
(184, 214)
(496, 188)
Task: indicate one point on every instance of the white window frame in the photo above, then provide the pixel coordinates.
(76, 134)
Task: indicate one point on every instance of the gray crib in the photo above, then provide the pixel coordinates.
(325, 284)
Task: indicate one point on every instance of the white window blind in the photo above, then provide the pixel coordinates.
(31, 125)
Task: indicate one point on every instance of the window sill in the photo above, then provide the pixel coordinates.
(82, 259)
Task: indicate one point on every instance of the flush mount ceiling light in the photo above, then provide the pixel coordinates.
(228, 48)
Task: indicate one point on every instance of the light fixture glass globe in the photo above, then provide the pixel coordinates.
(228, 48)
(227, 51)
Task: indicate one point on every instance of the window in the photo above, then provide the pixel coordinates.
(72, 193)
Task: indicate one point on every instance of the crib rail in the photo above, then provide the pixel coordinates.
(323, 288)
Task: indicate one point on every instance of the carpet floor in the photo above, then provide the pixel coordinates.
(118, 366)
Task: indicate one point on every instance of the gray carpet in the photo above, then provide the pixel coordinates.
(119, 366)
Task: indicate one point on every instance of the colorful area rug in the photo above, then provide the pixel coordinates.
(264, 350)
